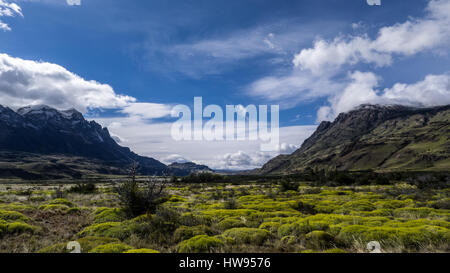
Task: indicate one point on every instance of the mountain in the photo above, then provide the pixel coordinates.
(35, 133)
(382, 138)
(183, 169)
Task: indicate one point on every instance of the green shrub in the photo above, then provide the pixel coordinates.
(229, 223)
(359, 205)
(302, 227)
(87, 243)
(17, 207)
(108, 229)
(142, 250)
(58, 208)
(38, 198)
(61, 201)
(254, 236)
(83, 188)
(304, 208)
(109, 215)
(200, 244)
(176, 199)
(413, 213)
(408, 237)
(289, 240)
(184, 232)
(19, 227)
(318, 239)
(230, 204)
(335, 250)
(309, 251)
(12, 216)
(270, 226)
(111, 248)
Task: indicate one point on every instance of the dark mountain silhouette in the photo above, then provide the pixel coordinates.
(39, 133)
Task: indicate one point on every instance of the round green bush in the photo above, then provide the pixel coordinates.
(200, 244)
(109, 215)
(57, 208)
(318, 239)
(12, 216)
(229, 223)
(270, 226)
(184, 232)
(61, 201)
(142, 250)
(359, 205)
(86, 243)
(111, 248)
(335, 250)
(254, 236)
(289, 240)
(19, 227)
(101, 230)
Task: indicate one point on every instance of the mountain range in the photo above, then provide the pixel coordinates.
(40, 140)
(374, 137)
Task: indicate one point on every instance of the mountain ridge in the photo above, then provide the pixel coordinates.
(43, 130)
(390, 137)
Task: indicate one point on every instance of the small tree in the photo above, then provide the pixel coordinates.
(137, 201)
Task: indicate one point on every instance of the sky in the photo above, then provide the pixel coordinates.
(125, 64)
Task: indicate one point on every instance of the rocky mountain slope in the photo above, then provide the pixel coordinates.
(47, 141)
(383, 138)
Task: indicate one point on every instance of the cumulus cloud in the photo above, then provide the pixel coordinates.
(73, 2)
(154, 139)
(241, 160)
(297, 86)
(8, 9)
(286, 148)
(147, 110)
(407, 38)
(26, 82)
(320, 71)
(432, 91)
(175, 158)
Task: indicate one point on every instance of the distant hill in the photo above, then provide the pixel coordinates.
(187, 168)
(383, 138)
(40, 141)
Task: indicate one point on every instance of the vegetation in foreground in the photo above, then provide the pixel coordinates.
(275, 216)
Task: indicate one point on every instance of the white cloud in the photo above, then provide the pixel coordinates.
(73, 2)
(319, 72)
(328, 56)
(286, 148)
(154, 139)
(26, 82)
(175, 158)
(408, 38)
(147, 110)
(298, 86)
(8, 9)
(432, 91)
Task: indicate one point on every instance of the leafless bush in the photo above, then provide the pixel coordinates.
(138, 200)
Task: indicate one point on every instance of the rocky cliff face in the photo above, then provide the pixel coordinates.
(45, 130)
(374, 137)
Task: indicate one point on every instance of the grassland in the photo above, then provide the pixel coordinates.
(226, 217)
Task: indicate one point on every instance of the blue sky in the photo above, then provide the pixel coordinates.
(313, 58)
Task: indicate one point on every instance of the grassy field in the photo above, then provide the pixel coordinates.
(226, 217)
